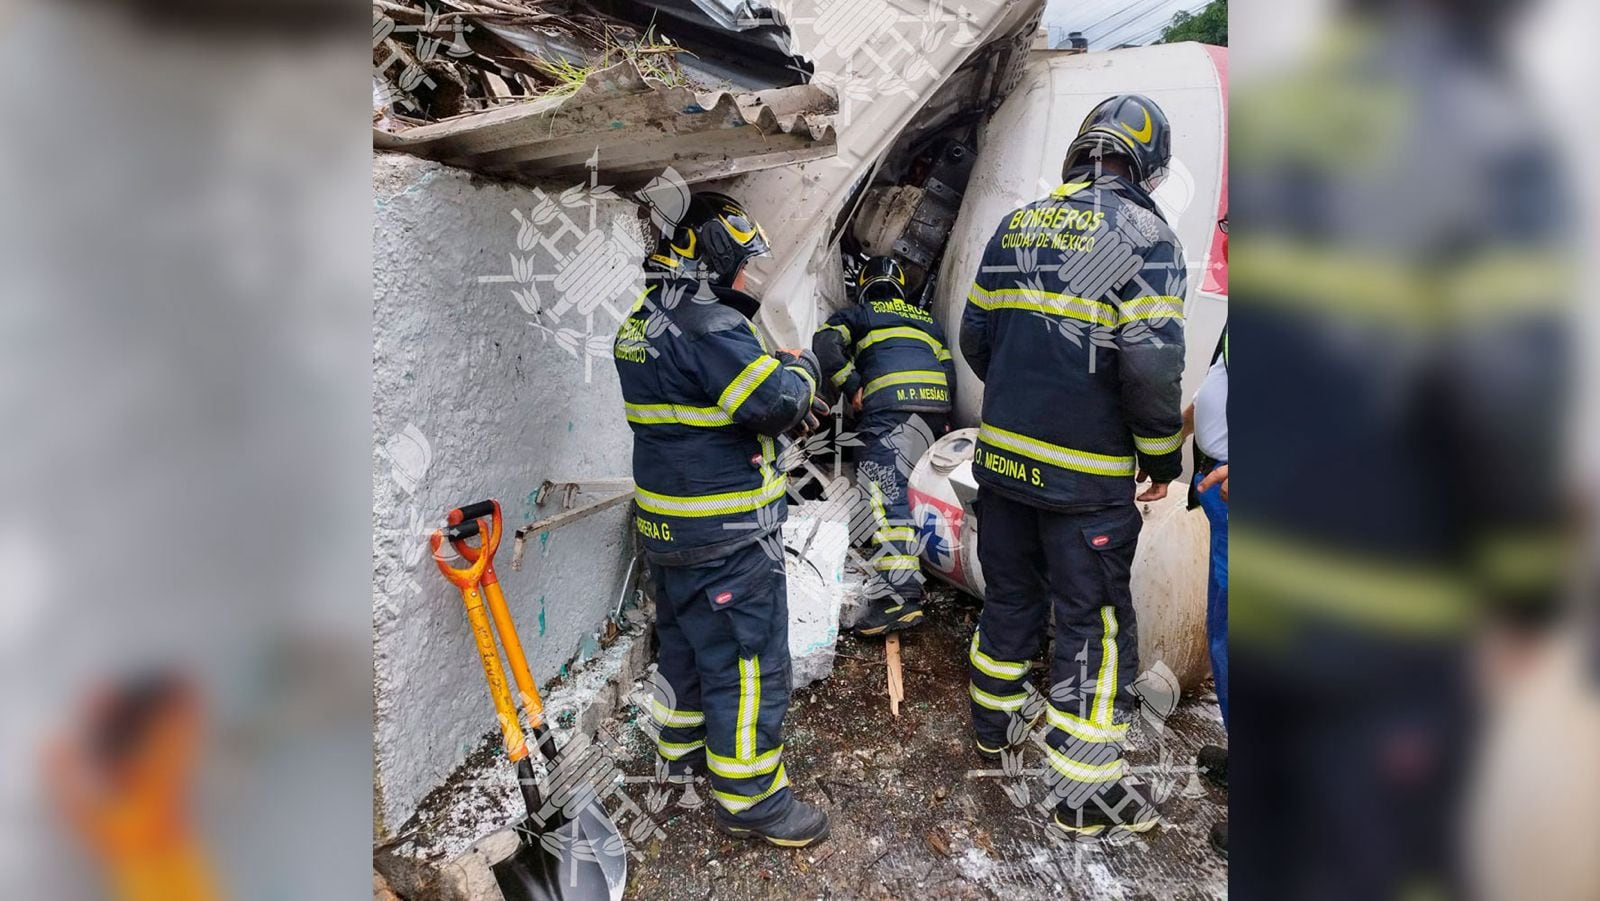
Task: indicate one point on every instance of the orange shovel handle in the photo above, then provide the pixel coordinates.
(470, 580)
(532, 704)
(499, 691)
(472, 574)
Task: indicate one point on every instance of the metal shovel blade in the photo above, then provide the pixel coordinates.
(581, 858)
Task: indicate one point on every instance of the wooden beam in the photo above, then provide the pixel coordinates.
(897, 690)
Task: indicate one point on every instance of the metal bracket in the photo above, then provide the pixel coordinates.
(607, 493)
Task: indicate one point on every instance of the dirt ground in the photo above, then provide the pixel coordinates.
(915, 813)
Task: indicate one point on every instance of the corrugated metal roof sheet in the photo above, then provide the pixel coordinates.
(638, 126)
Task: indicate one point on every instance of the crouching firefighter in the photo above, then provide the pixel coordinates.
(887, 357)
(1069, 426)
(707, 401)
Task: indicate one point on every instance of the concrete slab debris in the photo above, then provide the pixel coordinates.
(815, 551)
(638, 126)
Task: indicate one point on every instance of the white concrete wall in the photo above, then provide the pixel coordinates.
(474, 397)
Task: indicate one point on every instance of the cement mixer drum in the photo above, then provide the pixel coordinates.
(1169, 569)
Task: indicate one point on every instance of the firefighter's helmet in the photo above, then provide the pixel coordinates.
(715, 232)
(881, 278)
(1130, 126)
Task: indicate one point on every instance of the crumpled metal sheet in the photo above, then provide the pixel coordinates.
(638, 127)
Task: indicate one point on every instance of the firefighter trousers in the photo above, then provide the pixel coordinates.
(723, 682)
(892, 441)
(1076, 565)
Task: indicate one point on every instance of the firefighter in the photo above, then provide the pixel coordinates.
(888, 357)
(707, 402)
(1075, 325)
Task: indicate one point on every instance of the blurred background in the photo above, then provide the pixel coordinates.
(185, 665)
(1416, 660)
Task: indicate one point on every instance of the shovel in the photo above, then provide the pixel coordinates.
(576, 857)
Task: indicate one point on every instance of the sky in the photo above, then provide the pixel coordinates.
(1107, 23)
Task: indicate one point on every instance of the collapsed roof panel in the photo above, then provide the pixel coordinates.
(638, 126)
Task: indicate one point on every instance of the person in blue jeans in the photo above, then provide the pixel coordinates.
(1207, 420)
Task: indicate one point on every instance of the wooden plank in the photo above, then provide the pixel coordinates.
(891, 650)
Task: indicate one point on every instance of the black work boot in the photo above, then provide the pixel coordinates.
(1021, 726)
(988, 754)
(1219, 837)
(1214, 761)
(801, 825)
(1116, 808)
(886, 617)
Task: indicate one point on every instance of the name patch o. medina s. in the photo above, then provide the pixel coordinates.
(1008, 467)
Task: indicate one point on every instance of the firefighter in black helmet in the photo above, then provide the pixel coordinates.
(707, 401)
(1075, 325)
(887, 357)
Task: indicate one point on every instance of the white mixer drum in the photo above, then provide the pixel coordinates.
(1169, 569)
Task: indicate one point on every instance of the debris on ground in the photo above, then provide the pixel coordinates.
(914, 810)
(815, 551)
(916, 813)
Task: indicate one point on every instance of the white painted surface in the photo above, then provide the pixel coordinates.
(472, 400)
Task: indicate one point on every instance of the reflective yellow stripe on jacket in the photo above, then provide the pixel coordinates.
(1054, 454)
(913, 377)
(746, 382)
(899, 331)
(677, 414)
(1159, 445)
(1086, 309)
(1156, 307)
(711, 504)
(801, 372)
(1048, 302)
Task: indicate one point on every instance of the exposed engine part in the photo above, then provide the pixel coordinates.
(886, 214)
(913, 220)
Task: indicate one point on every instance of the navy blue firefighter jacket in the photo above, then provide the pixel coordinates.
(707, 402)
(893, 350)
(1075, 324)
